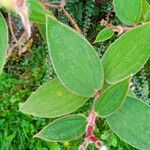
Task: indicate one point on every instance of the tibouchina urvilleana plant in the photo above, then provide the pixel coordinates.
(82, 76)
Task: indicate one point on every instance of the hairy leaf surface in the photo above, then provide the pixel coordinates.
(112, 99)
(132, 123)
(127, 55)
(64, 129)
(74, 59)
(52, 100)
(128, 11)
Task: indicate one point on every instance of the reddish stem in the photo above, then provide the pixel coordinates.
(89, 136)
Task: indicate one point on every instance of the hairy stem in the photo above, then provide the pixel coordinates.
(118, 29)
(89, 136)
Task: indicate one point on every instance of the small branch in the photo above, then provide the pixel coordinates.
(11, 28)
(72, 21)
(118, 29)
(53, 6)
(60, 7)
(10, 50)
(25, 47)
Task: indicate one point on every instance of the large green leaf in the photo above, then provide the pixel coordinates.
(132, 123)
(112, 99)
(128, 11)
(74, 59)
(3, 41)
(104, 35)
(127, 55)
(52, 100)
(64, 129)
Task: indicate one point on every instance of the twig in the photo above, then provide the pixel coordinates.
(10, 50)
(72, 21)
(25, 47)
(49, 5)
(89, 136)
(60, 7)
(11, 28)
(118, 29)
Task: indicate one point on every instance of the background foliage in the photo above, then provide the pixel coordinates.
(23, 75)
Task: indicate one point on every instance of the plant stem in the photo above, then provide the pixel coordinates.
(89, 136)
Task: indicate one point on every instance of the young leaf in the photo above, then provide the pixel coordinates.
(74, 59)
(132, 123)
(52, 100)
(112, 99)
(128, 11)
(64, 129)
(104, 35)
(3, 41)
(127, 55)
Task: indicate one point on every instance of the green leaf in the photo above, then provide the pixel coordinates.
(42, 29)
(64, 129)
(127, 55)
(112, 98)
(145, 11)
(104, 35)
(52, 100)
(128, 11)
(74, 60)
(37, 12)
(132, 123)
(3, 42)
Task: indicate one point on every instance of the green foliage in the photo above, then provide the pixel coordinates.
(132, 123)
(127, 54)
(76, 65)
(3, 42)
(80, 72)
(145, 17)
(112, 98)
(128, 11)
(52, 100)
(20, 77)
(36, 11)
(104, 35)
(58, 130)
